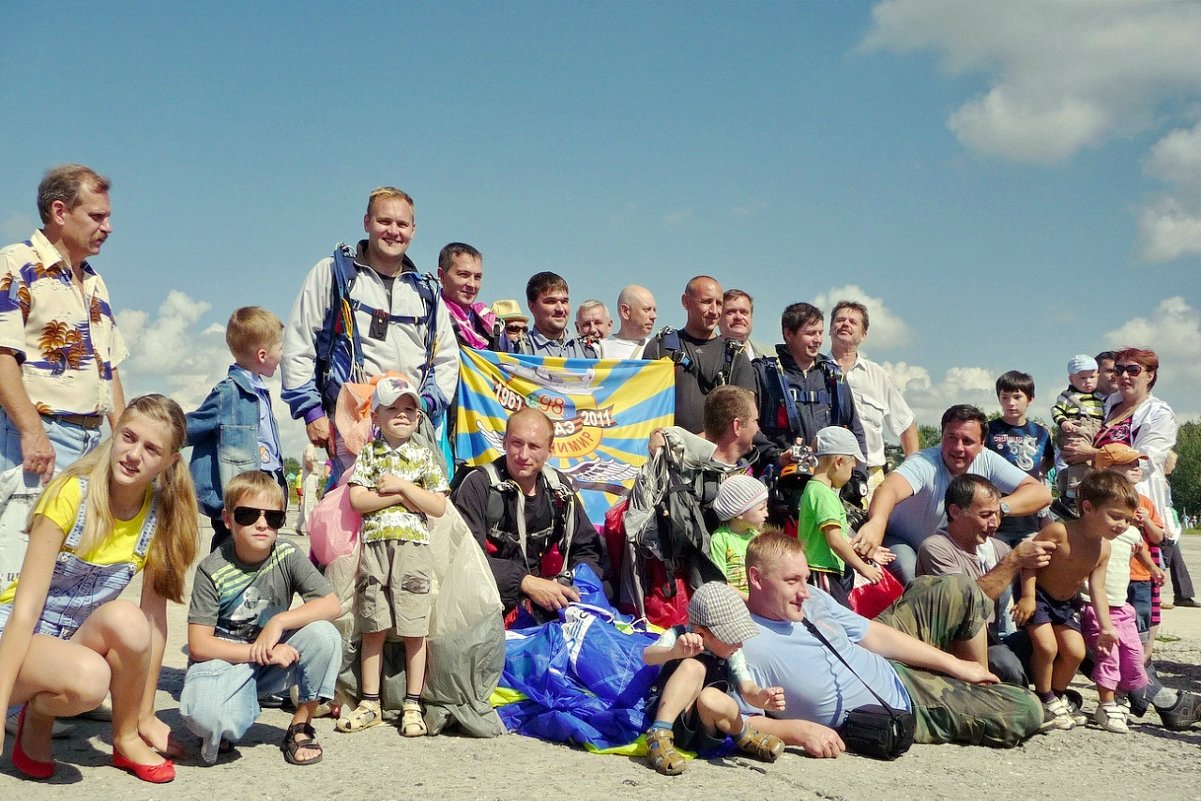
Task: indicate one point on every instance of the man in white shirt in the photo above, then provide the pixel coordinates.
(876, 398)
(637, 312)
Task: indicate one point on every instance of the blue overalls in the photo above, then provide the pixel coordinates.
(78, 588)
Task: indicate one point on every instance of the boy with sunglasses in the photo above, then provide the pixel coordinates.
(244, 640)
(396, 484)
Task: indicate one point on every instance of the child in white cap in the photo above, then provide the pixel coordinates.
(822, 521)
(741, 505)
(1078, 413)
(396, 483)
(703, 663)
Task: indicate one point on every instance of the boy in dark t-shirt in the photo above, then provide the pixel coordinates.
(243, 639)
(1024, 443)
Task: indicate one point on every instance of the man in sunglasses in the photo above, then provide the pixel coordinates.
(516, 323)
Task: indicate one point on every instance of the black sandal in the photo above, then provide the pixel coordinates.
(291, 745)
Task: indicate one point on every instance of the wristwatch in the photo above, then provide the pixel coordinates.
(1004, 507)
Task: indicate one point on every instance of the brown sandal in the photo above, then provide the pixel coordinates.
(292, 744)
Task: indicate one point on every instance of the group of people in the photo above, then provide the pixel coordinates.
(112, 508)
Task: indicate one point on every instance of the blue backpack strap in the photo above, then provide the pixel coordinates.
(775, 392)
(339, 348)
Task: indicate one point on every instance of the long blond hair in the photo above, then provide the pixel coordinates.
(176, 537)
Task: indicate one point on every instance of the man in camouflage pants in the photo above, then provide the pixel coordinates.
(926, 653)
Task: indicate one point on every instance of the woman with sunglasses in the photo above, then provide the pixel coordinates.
(1135, 417)
(68, 641)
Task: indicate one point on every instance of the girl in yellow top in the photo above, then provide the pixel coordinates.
(127, 505)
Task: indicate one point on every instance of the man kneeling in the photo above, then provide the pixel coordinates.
(243, 639)
(899, 654)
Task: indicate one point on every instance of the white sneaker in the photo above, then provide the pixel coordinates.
(1111, 717)
(1057, 716)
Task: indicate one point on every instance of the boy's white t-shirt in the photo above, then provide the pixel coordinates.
(1117, 572)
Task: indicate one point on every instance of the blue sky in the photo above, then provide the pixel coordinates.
(1007, 185)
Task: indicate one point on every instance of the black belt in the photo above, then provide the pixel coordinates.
(92, 421)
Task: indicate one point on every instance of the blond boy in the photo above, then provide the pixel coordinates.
(234, 430)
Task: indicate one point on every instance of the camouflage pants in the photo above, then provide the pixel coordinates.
(938, 610)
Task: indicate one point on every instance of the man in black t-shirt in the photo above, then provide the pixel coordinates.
(703, 360)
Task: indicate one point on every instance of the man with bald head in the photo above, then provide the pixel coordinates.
(637, 312)
(703, 360)
(538, 512)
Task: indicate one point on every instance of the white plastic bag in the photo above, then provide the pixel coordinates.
(17, 500)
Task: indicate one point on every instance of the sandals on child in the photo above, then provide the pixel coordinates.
(293, 744)
(365, 716)
(412, 723)
(761, 745)
(662, 754)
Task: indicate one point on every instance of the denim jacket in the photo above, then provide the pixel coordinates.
(223, 434)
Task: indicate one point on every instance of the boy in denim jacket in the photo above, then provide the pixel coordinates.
(234, 430)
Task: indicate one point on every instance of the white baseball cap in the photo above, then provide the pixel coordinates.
(837, 441)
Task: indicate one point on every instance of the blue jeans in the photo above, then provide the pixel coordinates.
(904, 567)
(69, 441)
(220, 700)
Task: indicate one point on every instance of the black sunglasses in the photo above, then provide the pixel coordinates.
(249, 515)
(1129, 369)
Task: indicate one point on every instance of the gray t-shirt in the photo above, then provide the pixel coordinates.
(237, 599)
(940, 556)
(921, 514)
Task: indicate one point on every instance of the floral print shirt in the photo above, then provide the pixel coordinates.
(67, 343)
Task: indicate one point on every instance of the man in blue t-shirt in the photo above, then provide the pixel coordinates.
(908, 506)
(910, 656)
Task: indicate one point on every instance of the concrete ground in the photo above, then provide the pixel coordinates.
(1086, 763)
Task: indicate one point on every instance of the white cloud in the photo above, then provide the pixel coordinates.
(886, 331)
(1064, 75)
(1170, 224)
(169, 353)
(1173, 331)
(676, 218)
(928, 399)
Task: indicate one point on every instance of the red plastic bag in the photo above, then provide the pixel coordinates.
(870, 600)
(666, 601)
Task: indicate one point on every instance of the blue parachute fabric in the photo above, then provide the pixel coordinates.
(583, 676)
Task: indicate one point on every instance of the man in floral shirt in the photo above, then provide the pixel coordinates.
(59, 345)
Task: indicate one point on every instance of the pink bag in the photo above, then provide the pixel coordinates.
(333, 525)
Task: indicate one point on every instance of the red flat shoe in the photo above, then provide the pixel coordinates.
(156, 774)
(33, 768)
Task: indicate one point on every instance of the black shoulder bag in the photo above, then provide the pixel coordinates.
(873, 730)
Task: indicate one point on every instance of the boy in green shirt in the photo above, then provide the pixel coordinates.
(741, 505)
(822, 524)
